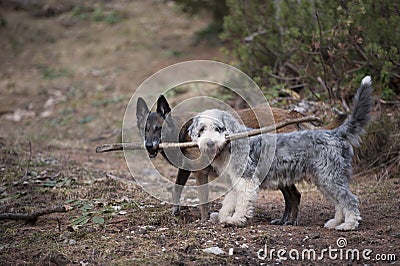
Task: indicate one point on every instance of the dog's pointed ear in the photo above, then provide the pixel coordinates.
(141, 109)
(163, 107)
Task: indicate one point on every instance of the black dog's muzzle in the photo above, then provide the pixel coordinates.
(152, 149)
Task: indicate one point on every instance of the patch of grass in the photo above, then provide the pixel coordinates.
(173, 53)
(110, 18)
(50, 73)
(86, 119)
(97, 15)
(3, 22)
(388, 94)
(108, 101)
(79, 13)
(89, 213)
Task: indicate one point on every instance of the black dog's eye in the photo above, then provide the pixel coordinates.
(219, 129)
(158, 128)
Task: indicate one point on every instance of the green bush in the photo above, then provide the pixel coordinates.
(324, 46)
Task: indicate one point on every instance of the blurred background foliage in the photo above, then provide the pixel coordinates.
(313, 51)
(321, 49)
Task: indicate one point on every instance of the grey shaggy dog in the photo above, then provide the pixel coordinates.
(272, 160)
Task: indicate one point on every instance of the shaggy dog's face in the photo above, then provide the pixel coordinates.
(209, 132)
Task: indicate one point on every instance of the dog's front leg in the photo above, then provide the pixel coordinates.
(180, 182)
(202, 187)
(246, 196)
(228, 207)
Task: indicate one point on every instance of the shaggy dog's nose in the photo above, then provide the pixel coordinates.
(210, 143)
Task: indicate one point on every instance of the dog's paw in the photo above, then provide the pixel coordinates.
(235, 221)
(347, 226)
(223, 215)
(294, 223)
(214, 217)
(277, 222)
(332, 224)
(175, 210)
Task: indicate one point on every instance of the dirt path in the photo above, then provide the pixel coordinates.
(67, 72)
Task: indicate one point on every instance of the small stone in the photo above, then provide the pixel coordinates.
(230, 251)
(214, 250)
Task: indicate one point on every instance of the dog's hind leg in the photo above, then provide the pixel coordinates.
(288, 206)
(180, 182)
(295, 198)
(350, 211)
(338, 218)
(335, 221)
(292, 201)
(346, 206)
(202, 187)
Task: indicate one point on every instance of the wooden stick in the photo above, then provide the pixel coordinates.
(32, 216)
(166, 145)
(273, 127)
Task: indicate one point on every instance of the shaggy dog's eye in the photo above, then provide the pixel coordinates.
(220, 129)
(201, 131)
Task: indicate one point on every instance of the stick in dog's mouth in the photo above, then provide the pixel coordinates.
(166, 145)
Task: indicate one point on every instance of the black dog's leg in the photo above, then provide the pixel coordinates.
(202, 186)
(288, 206)
(181, 179)
(295, 202)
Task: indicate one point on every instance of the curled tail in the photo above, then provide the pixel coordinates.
(354, 125)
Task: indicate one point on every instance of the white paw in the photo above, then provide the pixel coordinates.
(347, 226)
(214, 217)
(332, 223)
(223, 215)
(235, 220)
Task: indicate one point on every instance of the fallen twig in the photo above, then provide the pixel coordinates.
(32, 216)
(389, 102)
(29, 160)
(166, 145)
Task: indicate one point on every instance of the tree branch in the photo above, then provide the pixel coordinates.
(320, 51)
(33, 216)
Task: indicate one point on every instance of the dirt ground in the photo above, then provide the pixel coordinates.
(67, 72)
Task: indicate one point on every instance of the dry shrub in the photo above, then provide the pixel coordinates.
(380, 148)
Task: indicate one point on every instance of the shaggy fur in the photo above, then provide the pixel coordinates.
(325, 155)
